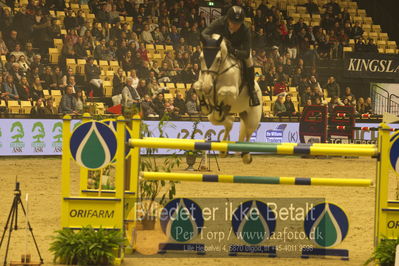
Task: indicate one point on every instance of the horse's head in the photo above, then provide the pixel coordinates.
(211, 59)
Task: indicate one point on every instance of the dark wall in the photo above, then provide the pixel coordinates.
(384, 13)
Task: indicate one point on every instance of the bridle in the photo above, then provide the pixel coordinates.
(221, 108)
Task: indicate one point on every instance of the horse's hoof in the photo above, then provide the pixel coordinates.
(223, 154)
(246, 158)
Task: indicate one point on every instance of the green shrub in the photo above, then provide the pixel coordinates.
(87, 246)
(384, 254)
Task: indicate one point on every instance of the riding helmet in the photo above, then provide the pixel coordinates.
(236, 14)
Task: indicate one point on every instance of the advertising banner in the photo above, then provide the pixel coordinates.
(31, 137)
(371, 65)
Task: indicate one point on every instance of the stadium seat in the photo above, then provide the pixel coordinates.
(383, 36)
(71, 63)
(390, 51)
(376, 28)
(14, 107)
(54, 55)
(26, 106)
(107, 88)
(348, 49)
(180, 86)
(392, 45)
(58, 43)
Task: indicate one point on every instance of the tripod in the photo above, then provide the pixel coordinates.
(206, 156)
(12, 223)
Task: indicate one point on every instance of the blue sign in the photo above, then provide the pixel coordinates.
(253, 222)
(182, 220)
(326, 225)
(93, 145)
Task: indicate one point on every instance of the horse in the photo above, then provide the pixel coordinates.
(222, 92)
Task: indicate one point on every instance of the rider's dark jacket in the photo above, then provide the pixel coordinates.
(240, 40)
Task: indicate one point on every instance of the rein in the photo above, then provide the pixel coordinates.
(221, 108)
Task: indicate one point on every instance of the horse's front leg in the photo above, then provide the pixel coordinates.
(228, 125)
(205, 106)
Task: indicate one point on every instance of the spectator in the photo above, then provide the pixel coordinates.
(29, 52)
(118, 83)
(192, 105)
(23, 64)
(25, 91)
(155, 88)
(37, 62)
(289, 106)
(334, 101)
(12, 40)
(307, 96)
(279, 107)
(146, 35)
(143, 52)
(70, 22)
(333, 87)
(41, 26)
(17, 52)
(101, 52)
(335, 8)
(312, 7)
(148, 108)
(80, 101)
(371, 47)
(368, 106)
(38, 109)
(171, 111)
(79, 48)
(159, 104)
(361, 106)
(103, 15)
(357, 31)
(129, 93)
(315, 87)
(68, 102)
(127, 61)
(180, 104)
(158, 36)
(92, 73)
(50, 109)
(142, 88)
(47, 79)
(3, 46)
(348, 94)
(16, 72)
(57, 79)
(37, 87)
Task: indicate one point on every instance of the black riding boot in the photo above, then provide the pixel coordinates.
(253, 97)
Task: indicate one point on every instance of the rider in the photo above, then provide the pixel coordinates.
(232, 28)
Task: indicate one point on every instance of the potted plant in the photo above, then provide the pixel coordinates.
(384, 254)
(155, 193)
(87, 246)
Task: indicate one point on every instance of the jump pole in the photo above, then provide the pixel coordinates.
(271, 180)
(333, 150)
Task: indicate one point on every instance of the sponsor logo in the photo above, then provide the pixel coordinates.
(372, 65)
(17, 133)
(276, 135)
(38, 145)
(57, 137)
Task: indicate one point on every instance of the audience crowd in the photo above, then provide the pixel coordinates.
(285, 52)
